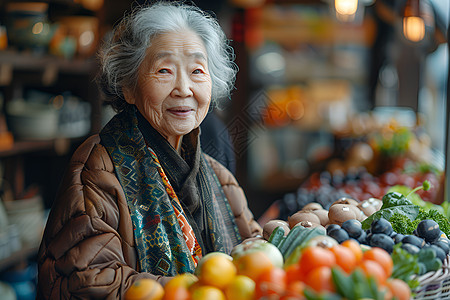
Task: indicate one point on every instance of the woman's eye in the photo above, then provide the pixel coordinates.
(163, 71)
(197, 71)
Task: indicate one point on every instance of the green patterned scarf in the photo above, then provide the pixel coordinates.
(161, 247)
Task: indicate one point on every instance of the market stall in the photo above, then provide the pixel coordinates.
(336, 124)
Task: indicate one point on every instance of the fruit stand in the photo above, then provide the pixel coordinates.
(375, 229)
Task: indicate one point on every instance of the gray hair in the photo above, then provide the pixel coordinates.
(124, 52)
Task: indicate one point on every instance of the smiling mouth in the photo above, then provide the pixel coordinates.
(180, 111)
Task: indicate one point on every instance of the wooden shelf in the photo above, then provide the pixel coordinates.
(27, 61)
(23, 147)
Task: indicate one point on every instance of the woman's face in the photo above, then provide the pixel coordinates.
(174, 86)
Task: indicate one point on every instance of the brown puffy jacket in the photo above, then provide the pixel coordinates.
(88, 249)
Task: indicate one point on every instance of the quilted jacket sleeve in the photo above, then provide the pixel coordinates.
(87, 251)
(248, 227)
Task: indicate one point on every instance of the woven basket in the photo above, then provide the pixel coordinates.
(435, 285)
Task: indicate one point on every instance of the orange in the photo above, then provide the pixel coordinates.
(217, 271)
(241, 288)
(320, 279)
(181, 280)
(355, 247)
(208, 256)
(314, 257)
(177, 293)
(178, 287)
(344, 258)
(399, 289)
(374, 269)
(382, 257)
(206, 292)
(252, 264)
(145, 289)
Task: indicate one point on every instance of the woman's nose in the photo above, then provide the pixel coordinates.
(183, 85)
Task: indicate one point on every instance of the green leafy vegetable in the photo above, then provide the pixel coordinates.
(405, 266)
(403, 224)
(417, 200)
(409, 211)
(394, 199)
(406, 190)
(397, 209)
(312, 295)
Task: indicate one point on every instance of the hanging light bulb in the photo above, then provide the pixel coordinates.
(413, 23)
(346, 9)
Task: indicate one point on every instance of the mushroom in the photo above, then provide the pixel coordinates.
(370, 206)
(323, 216)
(323, 241)
(345, 200)
(270, 226)
(312, 206)
(308, 224)
(303, 216)
(339, 213)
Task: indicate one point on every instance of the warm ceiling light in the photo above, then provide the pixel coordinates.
(413, 28)
(346, 7)
(413, 23)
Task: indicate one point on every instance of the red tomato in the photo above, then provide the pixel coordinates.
(355, 248)
(271, 282)
(320, 279)
(399, 289)
(314, 257)
(374, 269)
(382, 257)
(345, 258)
(293, 273)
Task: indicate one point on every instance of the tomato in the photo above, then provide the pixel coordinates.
(293, 273)
(399, 289)
(294, 290)
(314, 257)
(320, 279)
(345, 258)
(271, 282)
(382, 257)
(355, 248)
(374, 269)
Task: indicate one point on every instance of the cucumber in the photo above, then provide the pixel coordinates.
(316, 231)
(303, 237)
(294, 256)
(296, 241)
(277, 236)
(289, 238)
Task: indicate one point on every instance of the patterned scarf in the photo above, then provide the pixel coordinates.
(166, 241)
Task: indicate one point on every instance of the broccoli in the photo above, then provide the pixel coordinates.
(402, 224)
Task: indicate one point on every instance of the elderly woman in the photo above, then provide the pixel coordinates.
(141, 200)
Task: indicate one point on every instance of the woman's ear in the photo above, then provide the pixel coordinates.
(128, 95)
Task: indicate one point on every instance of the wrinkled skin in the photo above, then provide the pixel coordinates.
(174, 86)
